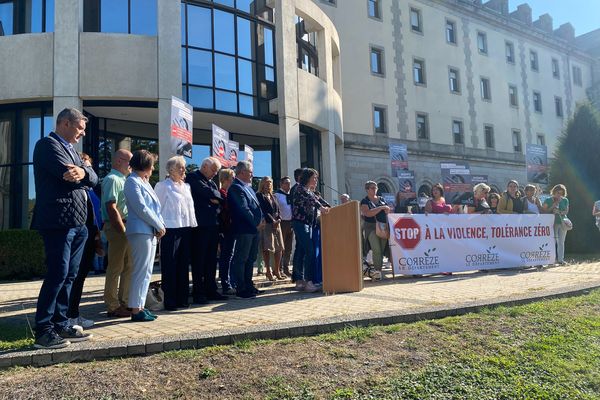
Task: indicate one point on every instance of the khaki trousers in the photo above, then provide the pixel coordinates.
(118, 271)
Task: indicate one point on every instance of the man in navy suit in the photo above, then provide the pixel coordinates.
(246, 218)
(60, 213)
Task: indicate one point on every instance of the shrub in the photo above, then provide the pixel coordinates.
(21, 254)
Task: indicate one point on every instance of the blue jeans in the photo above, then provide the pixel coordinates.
(245, 247)
(304, 256)
(64, 249)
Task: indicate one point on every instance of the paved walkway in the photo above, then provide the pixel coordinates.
(283, 312)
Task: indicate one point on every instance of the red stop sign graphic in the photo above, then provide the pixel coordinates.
(407, 233)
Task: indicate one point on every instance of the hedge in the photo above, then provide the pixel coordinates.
(21, 254)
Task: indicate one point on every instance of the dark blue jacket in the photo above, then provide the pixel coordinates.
(244, 208)
(203, 192)
(58, 204)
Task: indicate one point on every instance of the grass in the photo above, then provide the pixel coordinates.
(15, 337)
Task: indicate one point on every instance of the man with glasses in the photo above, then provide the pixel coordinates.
(60, 213)
(114, 215)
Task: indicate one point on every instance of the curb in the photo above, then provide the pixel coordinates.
(90, 351)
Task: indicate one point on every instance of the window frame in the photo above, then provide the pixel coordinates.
(541, 136)
(373, 49)
(425, 117)
(518, 147)
(419, 13)
(555, 71)
(485, 50)
(378, 11)
(482, 87)
(534, 61)
(457, 79)
(509, 45)
(382, 109)
(577, 76)
(537, 95)
(461, 132)
(423, 75)
(558, 107)
(516, 96)
(489, 127)
(446, 32)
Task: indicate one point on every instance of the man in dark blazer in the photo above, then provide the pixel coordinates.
(205, 237)
(60, 213)
(246, 218)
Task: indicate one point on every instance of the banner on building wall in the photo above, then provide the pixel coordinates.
(182, 126)
(456, 179)
(220, 140)
(249, 154)
(407, 185)
(232, 153)
(537, 163)
(399, 158)
(476, 179)
(425, 244)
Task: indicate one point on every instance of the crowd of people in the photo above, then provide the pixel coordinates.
(208, 218)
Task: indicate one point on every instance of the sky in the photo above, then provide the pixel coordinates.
(582, 14)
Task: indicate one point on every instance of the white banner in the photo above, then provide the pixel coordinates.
(425, 244)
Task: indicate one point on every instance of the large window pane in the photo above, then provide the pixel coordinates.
(270, 74)
(4, 196)
(200, 67)
(143, 17)
(49, 15)
(247, 79)
(246, 6)
(199, 27)
(49, 124)
(183, 25)
(6, 17)
(6, 128)
(224, 32)
(201, 97)
(247, 105)
(183, 65)
(269, 59)
(33, 131)
(113, 16)
(226, 101)
(225, 72)
(225, 2)
(245, 36)
(34, 15)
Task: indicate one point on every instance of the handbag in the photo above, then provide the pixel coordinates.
(382, 230)
(567, 224)
(155, 299)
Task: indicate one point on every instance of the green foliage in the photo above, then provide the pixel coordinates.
(575, 165)
(207, 372)
(15, 337)
(21, 254)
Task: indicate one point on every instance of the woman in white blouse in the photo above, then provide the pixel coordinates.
(177, 209)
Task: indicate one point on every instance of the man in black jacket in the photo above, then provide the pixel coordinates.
(205, 237)
(60, 213)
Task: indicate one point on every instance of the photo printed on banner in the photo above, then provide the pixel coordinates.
(537, 163)
(182, 126)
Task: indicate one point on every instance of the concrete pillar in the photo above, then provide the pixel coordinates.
(169, 72)
(329, 167)
(68, 22)
(287, 86)
(341, 166)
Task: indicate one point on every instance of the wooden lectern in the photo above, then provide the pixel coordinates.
(341, 246)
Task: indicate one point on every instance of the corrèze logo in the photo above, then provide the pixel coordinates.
(429, 260)
(541, 254)
(490, 257)
(407, 233)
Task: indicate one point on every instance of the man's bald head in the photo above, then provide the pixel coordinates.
(120, 161)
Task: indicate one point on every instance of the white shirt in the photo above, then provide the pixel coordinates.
(532, 207)
(177, 205)
(285, 209)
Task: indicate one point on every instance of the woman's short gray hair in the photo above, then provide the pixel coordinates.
(481, 187)
(174, 162)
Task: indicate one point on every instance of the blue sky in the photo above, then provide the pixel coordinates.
(582, 14)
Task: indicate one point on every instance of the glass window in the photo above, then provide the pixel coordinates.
(379, 119)
(200, 31)
(558, 106)
(374, 8)
(247, 105)
(200, 67)
(489, 136)
(270, 74)
(144, 17)
(377, 61)
(415, 20)
(201, 97)
(245, 6)
(450, 32)
(226, 101)
(50, 15)
(113, 16)
(269, 54)
(510, 52)
(454, 80)
(516, 140)
(419, 71)
(533, 58)
(541, 140)
(228, 3)
(457, 132)
(183, 25)
(224, 32)
(34, 10)
(555, 69)
(513, 97)
(537, 102)
(422, 127)
(6, 18)
(225, 77)
(486, 91)
(246, 76)
(482, 43)
(183, 65)
(577, 80)
(245, 36)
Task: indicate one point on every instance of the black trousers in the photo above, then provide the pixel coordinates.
(175, 266)
(85, 266)
(205, 241)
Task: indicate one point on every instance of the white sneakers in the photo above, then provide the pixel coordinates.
(311, 287)
(82, 322)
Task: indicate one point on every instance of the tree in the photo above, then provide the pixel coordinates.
(576, 165)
